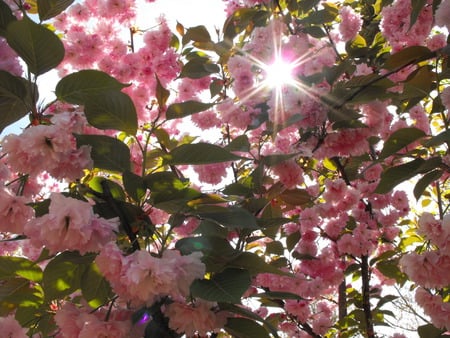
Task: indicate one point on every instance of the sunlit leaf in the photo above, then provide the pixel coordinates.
(179, 110)
(227, 286)
(111, 110)
(108, 153)
(11, 266)
(78, 87)
(62, 275)
(94, 287)
(39, 47)
(49, 8)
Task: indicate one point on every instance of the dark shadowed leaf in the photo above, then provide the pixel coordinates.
(134, 185)
(255, 264)
(230, 217)
(39, 47)
(400, 139)
(199, 153)
(107, 152)
(6, 16)
(49, 8)
(198, 68)
(227, 286)
(12, 94)
(111, 110)
(197, 34)
(398, 174)
(245, 328)
(425, 182)
(296, 197)
(78, 87)
(407, 56)
(207, 244)
(179, 110)
(417, 6)
(430, 331)
(162, 94)
(443, 137)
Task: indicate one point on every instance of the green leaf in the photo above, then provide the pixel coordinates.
(254, 264)
(230, 217)
(227, 286)
(12, 94)
(62, 275)
(399, 140)
(111, 110)
(183, 109)
(425, 182)
(97, 182)
(417, 6)
(134, 185)
(6, 17)
(95, 288)
(197, 34)
(398, 174)
(207, 244)
(296, 197)
(443, 137)
(390, 269)
(245, 328)
(292, 240)
(240, 143)
(198, 68)
(199, 153)
(49, 8)
(408, 55)
(39, 47)
(162, 94)
(11, 266)
(272, 160)
(277, 295)
(107, 152)
(430, 331)
(78, 87)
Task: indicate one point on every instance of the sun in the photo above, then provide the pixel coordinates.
(279, 73)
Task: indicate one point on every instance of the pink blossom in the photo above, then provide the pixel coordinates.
(429, 269)
(70, 225)
(11, 328)
(9, 60)
(212, 173)
(299, 309)
(445, 97)
(290, 173)
(395, 25)
(14, 212)
(442, 14)
(201, 319)
(350, 24)
(435, 307)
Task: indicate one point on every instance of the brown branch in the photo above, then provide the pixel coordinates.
(365, 276)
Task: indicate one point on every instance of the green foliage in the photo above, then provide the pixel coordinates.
(13, 92)
(39, 47)
(50, 8)
(6, 17)
(183, 109)
(199, 153)
(399, 140)
(245, 328)
(227, 286)
(107, 153)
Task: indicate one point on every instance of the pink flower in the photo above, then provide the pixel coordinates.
(434, 307)
(445, 97)
(442, 14)
(192, 319)
(14, 212)
(9, 60)
(212, 173)
(11, 328)
(350, 23)
(289, 173)
(70, 225)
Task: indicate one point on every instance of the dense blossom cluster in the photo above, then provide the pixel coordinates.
(296, 201)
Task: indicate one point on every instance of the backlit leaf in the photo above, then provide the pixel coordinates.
(94, 287)
(408, 56)
(111, 110)
(78, 87)
(107, 152)
(230, 217)
(39, 47)
(425, 182)
(245, 328)
(179, 110)
(49, 8)
(12, 104)
(11, 266)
